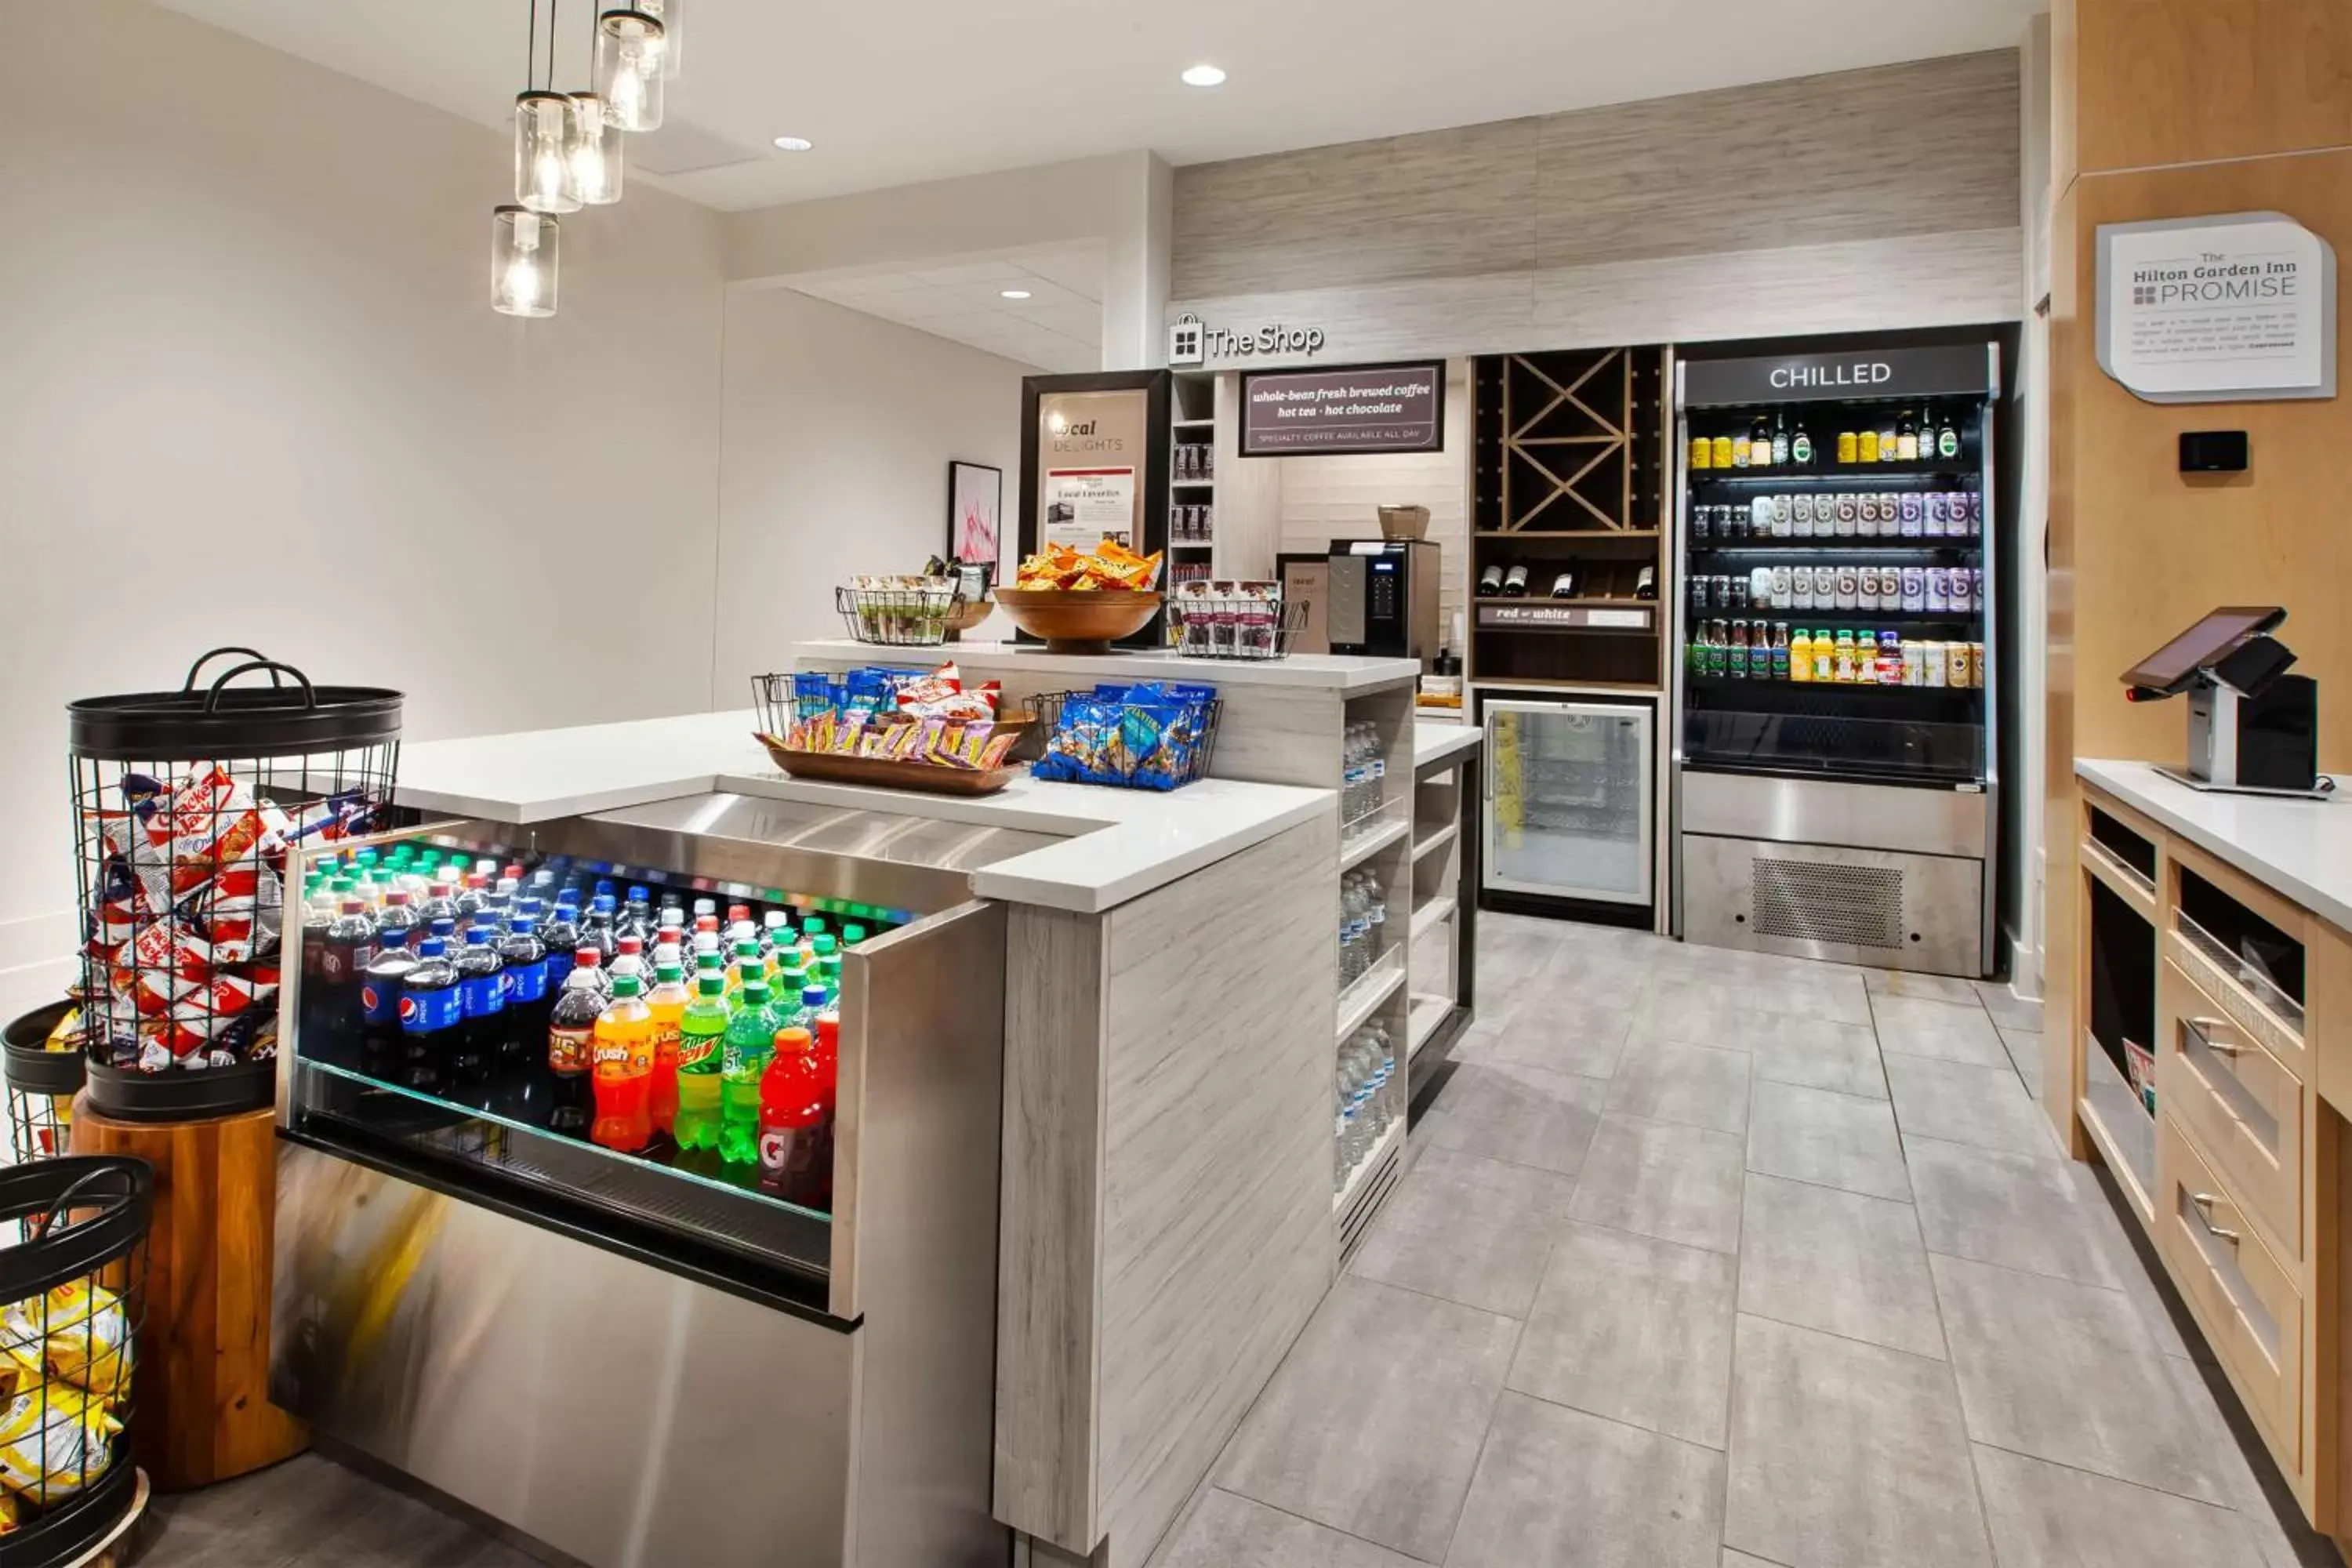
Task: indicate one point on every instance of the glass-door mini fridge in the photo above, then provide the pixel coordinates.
(1835, 760)
(1569, 807)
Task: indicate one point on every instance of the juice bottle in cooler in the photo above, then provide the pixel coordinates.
(667, 1003)
(750, 1039)
(702, 1030)
(625, 1070)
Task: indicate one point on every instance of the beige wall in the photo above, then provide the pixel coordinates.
(838, 427)
(1853, 201)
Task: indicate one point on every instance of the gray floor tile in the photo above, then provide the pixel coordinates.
(1223, 1531)
(2025, 1055)
(1678, 1183)
(1840, 1262)
(2272, 1519)
(2018, 1211)
(1579, 1041)
(1373, 1424)
(2155, 1305)
(2010, 1010)
(1742, 1560)
(1696, 1086)
(1838, 998)
(1634, 1329)
(1904, 982)
(1985, 1107)
(1522, 1114)
(2047, 1515)
(1566, 1489)
(1786, 1049)
(1830, 1139)
(1915, 1027)
(1847, 1456)
(1470, 1229)
(2064, 1372)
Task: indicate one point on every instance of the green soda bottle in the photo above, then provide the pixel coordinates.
(701, 1031)
(825, 969)
(750, 1040)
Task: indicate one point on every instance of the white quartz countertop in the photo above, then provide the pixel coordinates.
(1441, 740)
(1115, 844)
(2301, 849)
(1344, 673)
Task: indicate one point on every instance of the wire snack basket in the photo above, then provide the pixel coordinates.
(1233, 626)
(917, 612)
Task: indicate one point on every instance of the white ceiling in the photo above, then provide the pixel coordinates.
(894, 91)
(1058, 327)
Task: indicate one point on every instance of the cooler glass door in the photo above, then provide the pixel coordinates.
(1568, 801)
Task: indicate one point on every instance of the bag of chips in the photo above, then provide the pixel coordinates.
(54, 1440)
(76, 1333)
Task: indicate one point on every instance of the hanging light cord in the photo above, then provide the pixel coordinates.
(554, 10)
(530, 50)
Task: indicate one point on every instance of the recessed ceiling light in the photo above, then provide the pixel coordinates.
(794, 144)
(1205, 76)
(1015, 294)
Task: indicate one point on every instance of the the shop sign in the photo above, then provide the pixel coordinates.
(1193, 342)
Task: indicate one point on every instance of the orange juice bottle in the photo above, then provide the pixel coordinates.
(625, 1070)
(666, 1001)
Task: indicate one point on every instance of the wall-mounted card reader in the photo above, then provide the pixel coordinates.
(2213, 451)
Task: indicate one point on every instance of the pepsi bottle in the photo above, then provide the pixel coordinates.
(482, 1001)
(529, 995)
(346, 950)
(382, 989)
(398, 917)
(440, 902)
(597, 926)
(561, 936)
(637, 919)
(431, 1013)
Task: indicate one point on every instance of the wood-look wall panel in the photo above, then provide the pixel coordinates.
(1216, 1202)
(2070, 359)
(1928, 147)
(2179, 81)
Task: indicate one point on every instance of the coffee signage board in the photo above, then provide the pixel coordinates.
(2229, 308)
(1955, 370)
(1350, 409)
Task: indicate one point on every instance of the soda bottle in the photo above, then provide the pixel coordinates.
(813, 1000)
(791, 1119)
(828, 1084)
(750, 1040)
(824, 967)
(473, 897)
(345, 951)
(431, 1013)
(624, 1070)
(852, 935)
(667, 1003)
(703, 1029)
(747, 963)
(572, 1044)
(381, 990)
(638, 916)
(482, 994)
(399, 917)
(629, 958)
(596, 927)
(529, 997)
(440, 902)
(775, 935)
(561, 936)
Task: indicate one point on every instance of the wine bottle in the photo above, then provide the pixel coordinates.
(1490, 581)
(1564, 585)
(1646, 586)
(1514, 582)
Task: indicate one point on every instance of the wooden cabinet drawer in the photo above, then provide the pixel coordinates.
(2238, 913)
(2245, 1108)
(2241, 1298)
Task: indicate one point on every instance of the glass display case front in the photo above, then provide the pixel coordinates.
(1569, 806)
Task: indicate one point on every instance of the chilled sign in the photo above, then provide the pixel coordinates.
(1860, 373)
(1938, 370)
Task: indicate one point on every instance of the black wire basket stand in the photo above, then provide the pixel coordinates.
(73, 1302)
(41, 1084)
(185, 806)
(1113, 758)
(1233, 626)
(901, 617)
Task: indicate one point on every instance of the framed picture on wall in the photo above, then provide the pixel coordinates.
(976, 519)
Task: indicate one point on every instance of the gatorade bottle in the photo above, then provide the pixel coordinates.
(624, 1070)
(572, 1044)
(750, 1040)
(430, 1015)
(791, 1117)
(482, 994)
(666, 1001)
(380, 989)
(702, 1030)
(529, 996)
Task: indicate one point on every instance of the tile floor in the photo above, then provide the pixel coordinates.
(1711, 1260)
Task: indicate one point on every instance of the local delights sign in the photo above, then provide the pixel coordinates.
(2233, 309)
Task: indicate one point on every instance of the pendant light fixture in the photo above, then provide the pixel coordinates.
(595, 144)
(628, 71)
(544, 180)
(522, 261)
(666, 13)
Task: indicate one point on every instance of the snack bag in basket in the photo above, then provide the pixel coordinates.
(54, 1439)
(87, 1343)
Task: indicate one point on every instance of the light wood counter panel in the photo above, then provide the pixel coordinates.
(2181, 82)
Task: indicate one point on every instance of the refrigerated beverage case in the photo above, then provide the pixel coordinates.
(482, 999)
(629, 958)
(398, 917)
(430, 1014)
(666, 1001)
(623, 1071)
(561, 934)
(596, 927)
(440, 902)
(792, 1118)
(702, 1030)
(529, 994)
(571, 1044)
(750, 1040)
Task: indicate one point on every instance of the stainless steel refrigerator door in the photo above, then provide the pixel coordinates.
(1569, 811)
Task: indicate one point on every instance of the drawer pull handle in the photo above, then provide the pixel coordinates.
(2205, 1202)
(2219, 1047)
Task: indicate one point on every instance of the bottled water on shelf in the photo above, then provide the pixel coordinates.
(1363, 768)
(1363, 916)
(1362, 1108)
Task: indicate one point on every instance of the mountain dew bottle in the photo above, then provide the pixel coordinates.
(750, 1039)
(701, 1031)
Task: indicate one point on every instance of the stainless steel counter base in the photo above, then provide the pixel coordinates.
(1852, 873)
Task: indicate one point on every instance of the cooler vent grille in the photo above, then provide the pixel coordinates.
(1815, 900)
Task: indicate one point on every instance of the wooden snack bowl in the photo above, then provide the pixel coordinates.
(1074, 620)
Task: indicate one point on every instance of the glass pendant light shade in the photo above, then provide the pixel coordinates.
(666, 13)
(543, 168)
(522, 261)
(628, 69)
(595, 149)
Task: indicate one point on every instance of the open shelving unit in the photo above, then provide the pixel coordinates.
(1379, 843)
(1444, 871)
(1192, 422)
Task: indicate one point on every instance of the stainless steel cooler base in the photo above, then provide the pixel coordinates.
(1889, 907)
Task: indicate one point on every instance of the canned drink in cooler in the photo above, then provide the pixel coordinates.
(1849, 587)
(1931, 664)
(1938, 589)
(1935, 512)
(1848, 507)
(1804, 510)
(1957, 665)
(1915, 588)
(1914, 526)
(1801, 587)
(1959, 591)
(1914, 662)
(1783, 584)
(1913, 509)
(1865, 592)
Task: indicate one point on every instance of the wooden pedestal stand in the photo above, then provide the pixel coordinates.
(202, 1411)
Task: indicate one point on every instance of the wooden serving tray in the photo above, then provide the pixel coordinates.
(929, 777)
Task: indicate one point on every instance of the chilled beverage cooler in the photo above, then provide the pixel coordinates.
(641, 1175)
(1570, 808)
(1835, 759)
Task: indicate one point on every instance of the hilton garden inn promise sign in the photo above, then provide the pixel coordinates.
(2228, 308)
